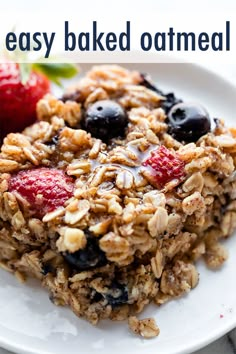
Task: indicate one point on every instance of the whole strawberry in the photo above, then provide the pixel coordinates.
(21, 87)
(18, 100)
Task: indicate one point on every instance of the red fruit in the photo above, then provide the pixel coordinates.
(18, 101)
(166, 165)
(45, 189)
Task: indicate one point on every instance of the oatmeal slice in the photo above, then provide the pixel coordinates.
(111, 197)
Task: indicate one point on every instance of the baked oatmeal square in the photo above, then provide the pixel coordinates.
(111, 197)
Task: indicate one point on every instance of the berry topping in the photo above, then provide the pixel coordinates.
(45, 189)
(166, 165)
(18, 100)
(117, 295)
(21, 87)
(105, 120)
(52, 142)
(47, 268)
(146, 81)
(170, 99)
(188, 122)
(89, 257)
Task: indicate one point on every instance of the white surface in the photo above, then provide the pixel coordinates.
(30, 323)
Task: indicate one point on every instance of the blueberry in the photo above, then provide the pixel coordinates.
(96, 297)
(53, 142)
(105, 120)
(117, 294)
(188, 122)
(170, 99)
(90, 257)
(147, 82)
(47, 268)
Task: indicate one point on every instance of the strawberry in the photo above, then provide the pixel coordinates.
(165, 165)
(21, 87)
(45, 189)
(18, 101)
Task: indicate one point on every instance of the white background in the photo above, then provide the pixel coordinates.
(146, 15)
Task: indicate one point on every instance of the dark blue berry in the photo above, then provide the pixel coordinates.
(105, 120)
(53, 141)
(188, 122)
(90, 257)
(147, 82)
(117, 294)
(170, 99)
(96, 297)
(47, 268)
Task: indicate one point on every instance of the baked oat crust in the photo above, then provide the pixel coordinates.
(151, 237)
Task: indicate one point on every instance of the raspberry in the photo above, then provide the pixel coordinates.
(45, 189)
(166, 165)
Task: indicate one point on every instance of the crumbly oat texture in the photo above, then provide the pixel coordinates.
(121, 241)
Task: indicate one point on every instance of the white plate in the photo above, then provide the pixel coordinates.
(29, 323)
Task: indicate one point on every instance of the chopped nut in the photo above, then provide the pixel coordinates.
(71, 240)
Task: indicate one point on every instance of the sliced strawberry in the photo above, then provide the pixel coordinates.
(165, 165)
(45, 189)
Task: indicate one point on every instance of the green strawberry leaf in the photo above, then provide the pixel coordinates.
(56, 71)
